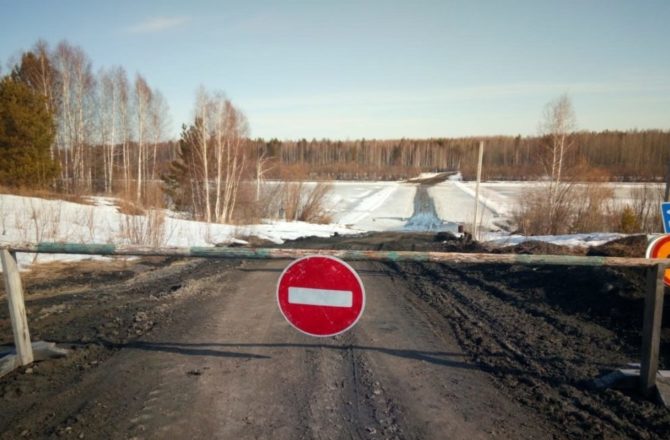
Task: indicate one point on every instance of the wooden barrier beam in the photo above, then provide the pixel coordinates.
(17, 308)
(653, 301)
(651, 328)
(351, 255)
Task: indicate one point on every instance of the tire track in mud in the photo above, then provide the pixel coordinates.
(433, 390)
(296, 389)
(544, 358)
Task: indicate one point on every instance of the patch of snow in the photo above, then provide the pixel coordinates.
(498, 207)
(32, 220)
(573, 240)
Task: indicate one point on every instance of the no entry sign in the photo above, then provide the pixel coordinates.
(320, 295)
(660, 248)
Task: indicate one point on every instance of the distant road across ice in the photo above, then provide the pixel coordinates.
(372, 206)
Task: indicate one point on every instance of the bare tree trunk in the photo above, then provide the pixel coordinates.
(219, 146)
(558, 124)
(121, 84)
(205, 168)
(112, 144)
(236, 188)
(159, 111)
(203, 108)
(142, 102)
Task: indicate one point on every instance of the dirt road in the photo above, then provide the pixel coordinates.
(198, 349)
(227, 365)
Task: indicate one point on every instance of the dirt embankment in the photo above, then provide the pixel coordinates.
(545, 334)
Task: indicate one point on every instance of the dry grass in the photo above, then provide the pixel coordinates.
(45, 194)
(248, 210)
(589, 207)
(153, 197)
(647, 200)
(535, 215)
(592, 208)
(312, 209)
(146, 230)
(42, 272)
(305, 203)
(291, 200)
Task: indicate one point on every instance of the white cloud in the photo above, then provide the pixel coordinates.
(156, 24)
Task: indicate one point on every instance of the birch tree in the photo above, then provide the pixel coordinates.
(108, 113)
(142, 99)
(203, 109)
(122, 88)
(557, 128)
(158, 119)
(229, 131)
(211, 159)
(75, 122)
(236, 133)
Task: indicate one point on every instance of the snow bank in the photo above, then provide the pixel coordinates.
(30, 219)
(574, 240)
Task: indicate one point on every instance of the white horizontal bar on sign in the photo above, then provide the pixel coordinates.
(320, 297)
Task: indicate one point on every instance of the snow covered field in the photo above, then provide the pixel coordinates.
(354, 207)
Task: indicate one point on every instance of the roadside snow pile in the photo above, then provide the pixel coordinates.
(573, 240)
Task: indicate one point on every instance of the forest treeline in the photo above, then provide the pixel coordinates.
(69, 129)
(613, 155)
(87, 131)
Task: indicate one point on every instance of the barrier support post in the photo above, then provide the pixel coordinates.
(651, 329)
(17, 308)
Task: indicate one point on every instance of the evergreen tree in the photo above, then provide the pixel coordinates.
(181, 181)
(26, 134)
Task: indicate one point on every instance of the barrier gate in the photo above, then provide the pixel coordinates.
(653, 304)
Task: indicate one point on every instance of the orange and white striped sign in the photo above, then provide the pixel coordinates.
(660, 248)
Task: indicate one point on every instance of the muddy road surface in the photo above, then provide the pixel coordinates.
(198, 349)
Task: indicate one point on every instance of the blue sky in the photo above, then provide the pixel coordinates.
(377, 69)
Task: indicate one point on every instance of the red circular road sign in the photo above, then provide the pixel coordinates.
(660, 248)
(320, 295)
